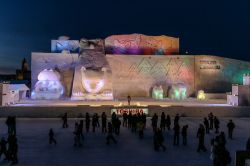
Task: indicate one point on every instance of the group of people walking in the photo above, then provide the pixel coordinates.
(137, 124)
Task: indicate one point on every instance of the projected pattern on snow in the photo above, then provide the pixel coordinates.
(141, 44)
(48, 85)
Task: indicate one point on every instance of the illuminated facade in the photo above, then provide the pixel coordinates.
(135, 65)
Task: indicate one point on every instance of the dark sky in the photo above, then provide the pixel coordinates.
(218, 27)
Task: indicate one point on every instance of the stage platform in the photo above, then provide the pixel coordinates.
(188, 108)
(123, 102)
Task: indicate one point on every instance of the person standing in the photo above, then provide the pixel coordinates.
(140, 126)
(130, 119)
(104, 122)
(94, 122)
(113, 118)
(176, 134)
(206, 124)
(230, 127)
(176, 119)
(144, 120)
(158, 140)
(51, 137)
(201, 137)
(97, 120)
(81, 129)
(117, 126)
(154, 121)
(65, 120)
(129, 99)
(168, 122)
(184, 135)
(216, 124)
(77, 136)
(211, 120)
(125, 119)
(110, 134)
(87, 121)
(163, 121)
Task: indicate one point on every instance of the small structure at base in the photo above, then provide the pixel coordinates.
(240, 95)
(12, 93)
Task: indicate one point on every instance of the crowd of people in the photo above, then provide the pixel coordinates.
(136, 123)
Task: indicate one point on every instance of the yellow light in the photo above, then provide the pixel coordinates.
(164, 105)
(95, 105)
(201, 95)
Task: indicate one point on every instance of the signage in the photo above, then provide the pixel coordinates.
(209, 64)
(120, 111)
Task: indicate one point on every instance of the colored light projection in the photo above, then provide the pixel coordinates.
(157, 92)
(138, 44)
(48, 85)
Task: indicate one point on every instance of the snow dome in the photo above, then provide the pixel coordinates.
(48, 85)
(50, 74)
(178, 91)
(157, 92)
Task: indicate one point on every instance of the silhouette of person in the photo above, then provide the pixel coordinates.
(201, 137)
(158, 140)
(230, 127)
(176, 119)
(104, 122)
(216, 124)
(184, 135)
(51, 137)
(211, 120)
(168, 122)
(206, 124)
(125, 119)
(154, 121)
(129, 99)
(176, 133)
(110, 134)
(65, 120)
(163, 121)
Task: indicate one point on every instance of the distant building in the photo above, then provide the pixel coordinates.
(22, 76)
(24, 73)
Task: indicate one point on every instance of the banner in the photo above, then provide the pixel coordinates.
(120, 111)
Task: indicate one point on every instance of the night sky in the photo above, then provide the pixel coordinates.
(217, 27)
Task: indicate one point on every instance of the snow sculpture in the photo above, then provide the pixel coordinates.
(246, 79)
(201, 95)
(157, 92)
(48, 85)
(93, 81)
(178, 91)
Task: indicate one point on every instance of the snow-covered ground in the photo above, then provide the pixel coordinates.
(34, 149)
